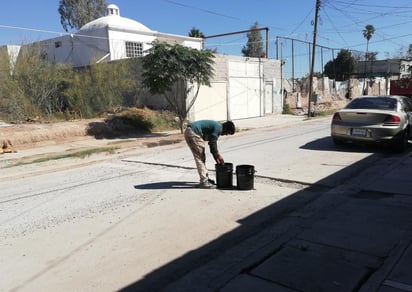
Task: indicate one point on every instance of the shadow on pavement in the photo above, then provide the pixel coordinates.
(326, 144)
(110, 129)
(168, 185)
(338, 239)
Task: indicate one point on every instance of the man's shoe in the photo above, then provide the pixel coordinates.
(206, 185)
(210, 180)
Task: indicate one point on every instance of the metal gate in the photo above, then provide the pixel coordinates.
(245, 90)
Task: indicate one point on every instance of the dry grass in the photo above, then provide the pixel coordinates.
(124, 122)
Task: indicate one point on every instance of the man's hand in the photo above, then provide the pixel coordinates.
(219, 159)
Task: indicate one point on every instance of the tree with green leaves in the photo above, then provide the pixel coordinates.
(341, 67)
(196, 33)
(254, 45)
(76, 13)
(174, 71)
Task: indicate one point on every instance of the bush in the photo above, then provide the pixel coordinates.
(286, 109)
(129, 121)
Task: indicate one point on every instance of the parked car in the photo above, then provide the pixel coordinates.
(374, 119)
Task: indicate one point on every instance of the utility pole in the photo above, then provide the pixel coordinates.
(293, 66)
(312, 64)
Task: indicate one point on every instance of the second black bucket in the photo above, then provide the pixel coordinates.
(224, 175)
(245, 176)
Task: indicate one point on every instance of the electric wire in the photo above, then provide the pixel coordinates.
(353, 15)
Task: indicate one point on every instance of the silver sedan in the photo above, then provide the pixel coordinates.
(374, 119)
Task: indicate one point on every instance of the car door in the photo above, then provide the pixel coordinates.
(407, 107)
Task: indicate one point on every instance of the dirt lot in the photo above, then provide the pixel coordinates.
(34, 134)
(27, 135)
(91, 133)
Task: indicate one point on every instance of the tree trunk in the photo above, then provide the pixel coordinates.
(181, 123)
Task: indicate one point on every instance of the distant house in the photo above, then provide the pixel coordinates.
(389, 68)
(108, 38)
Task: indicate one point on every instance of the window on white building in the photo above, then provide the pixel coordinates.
(134, 49)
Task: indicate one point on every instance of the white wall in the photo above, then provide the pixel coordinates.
(241, 88)
(77, 50)
(90, 47)
(118, 40)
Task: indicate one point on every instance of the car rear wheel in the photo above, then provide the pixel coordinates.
(337, 141)
(400, 143)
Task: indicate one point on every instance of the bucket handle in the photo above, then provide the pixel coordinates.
(254, 171)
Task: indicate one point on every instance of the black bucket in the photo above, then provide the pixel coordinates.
(245, 175)
(224, 175)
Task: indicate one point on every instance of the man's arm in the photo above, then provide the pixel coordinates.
(215, 152)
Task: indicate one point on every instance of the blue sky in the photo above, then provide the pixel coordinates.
(340, 24)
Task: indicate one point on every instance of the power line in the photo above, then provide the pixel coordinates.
(372, 5)
(349, 10)
(31, 29)
(201, 9)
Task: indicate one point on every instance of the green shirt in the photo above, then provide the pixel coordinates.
(209, 130)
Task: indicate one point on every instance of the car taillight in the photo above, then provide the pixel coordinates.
(336, 118)
(391, 120)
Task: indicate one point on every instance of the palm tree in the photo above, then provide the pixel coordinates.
(367, 34)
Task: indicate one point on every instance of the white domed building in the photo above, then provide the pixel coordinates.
(108, 38)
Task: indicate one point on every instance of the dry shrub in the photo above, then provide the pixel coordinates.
(129, 121)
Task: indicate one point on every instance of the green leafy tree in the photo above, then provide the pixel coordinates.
(76, 13)
(195, 33)
(254, 45)
(341, 67)
(174, 71)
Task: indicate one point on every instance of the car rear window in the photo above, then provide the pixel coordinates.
(381, 103)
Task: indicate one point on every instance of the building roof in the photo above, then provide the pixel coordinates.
(113, 20)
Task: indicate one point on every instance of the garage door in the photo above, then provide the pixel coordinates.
(245, 90)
